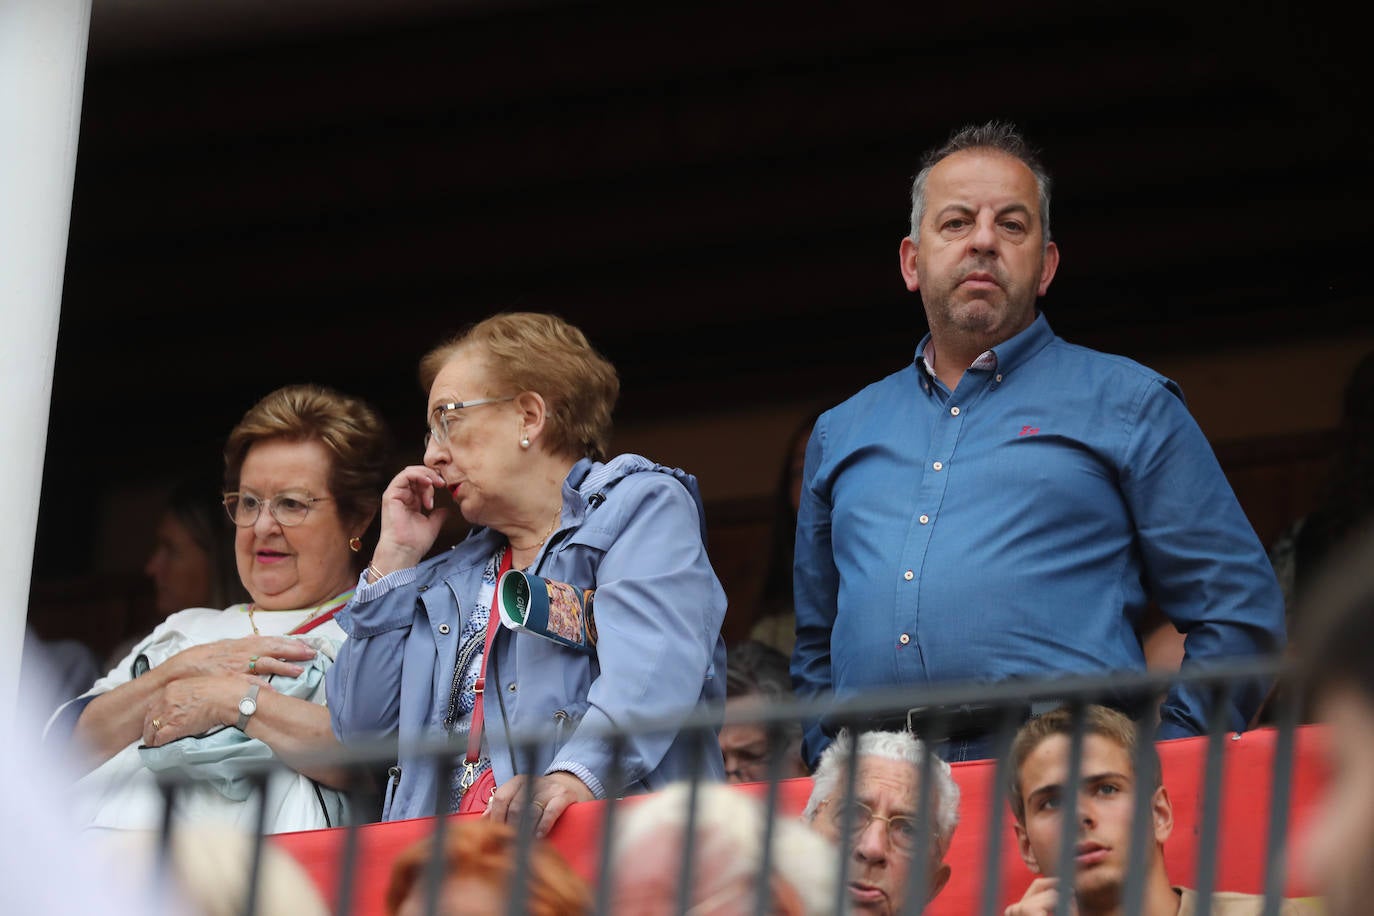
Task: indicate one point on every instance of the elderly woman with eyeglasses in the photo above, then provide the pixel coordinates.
(213, 690)
(519, 417)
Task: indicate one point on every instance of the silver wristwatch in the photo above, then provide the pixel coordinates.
(247, 706)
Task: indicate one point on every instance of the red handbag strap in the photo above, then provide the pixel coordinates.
(493, 623)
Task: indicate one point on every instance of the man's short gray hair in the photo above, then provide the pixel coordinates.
(998, 136)
(901, 746)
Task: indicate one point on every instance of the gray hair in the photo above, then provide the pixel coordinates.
(901, 746)
(732, 822)
(998, 136)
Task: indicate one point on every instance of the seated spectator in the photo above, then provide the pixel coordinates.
(886, 795)
(192, 560)
(1335, 635)
(1106, 803)
(213, 693)
(757, 676)
(480, 858)
(647, 857)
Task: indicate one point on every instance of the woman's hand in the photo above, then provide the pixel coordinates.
(248, 655)
(410, 521)
(552, 796)
(194, 705)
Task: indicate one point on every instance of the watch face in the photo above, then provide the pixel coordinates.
(247, 706)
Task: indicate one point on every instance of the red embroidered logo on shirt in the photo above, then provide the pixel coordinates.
(1029, 430)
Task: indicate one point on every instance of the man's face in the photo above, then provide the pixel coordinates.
(981, 261)
(1105, 805)
(1338, 845)
(744, 744)
(878, 868)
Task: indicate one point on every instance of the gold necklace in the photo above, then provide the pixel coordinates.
(252, 606)
(557, 516)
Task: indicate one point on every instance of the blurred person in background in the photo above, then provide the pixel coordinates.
(214, 691)
(192, 561)
(757, 677)
(776, 618)
(1336, 670)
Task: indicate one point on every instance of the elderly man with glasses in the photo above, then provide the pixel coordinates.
(881, 823)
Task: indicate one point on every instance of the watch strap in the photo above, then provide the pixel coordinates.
(250, 697)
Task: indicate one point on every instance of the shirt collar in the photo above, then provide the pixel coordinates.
(1005, 356)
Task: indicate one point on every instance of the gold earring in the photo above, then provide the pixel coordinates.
(355, 543)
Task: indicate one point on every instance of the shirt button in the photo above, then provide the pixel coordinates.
(954, 411)
(908, 575)
(939, 466)
(999, 376)
(443, 628)
(511, 687)
(904, 639)
(925, 519)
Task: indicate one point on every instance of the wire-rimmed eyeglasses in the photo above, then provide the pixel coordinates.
(288, 509)
(438, 430)
(902, 831)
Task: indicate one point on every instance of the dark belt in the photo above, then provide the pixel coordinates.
(960, 723)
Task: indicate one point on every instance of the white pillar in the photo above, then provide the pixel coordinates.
(42, 72)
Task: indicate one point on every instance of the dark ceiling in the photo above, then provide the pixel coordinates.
(714, 191)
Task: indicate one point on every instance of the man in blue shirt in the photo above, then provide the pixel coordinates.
(1009, 504)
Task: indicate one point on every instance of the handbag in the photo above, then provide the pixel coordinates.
(478, 788)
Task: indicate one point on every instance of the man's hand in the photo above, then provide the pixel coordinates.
(1040, 899)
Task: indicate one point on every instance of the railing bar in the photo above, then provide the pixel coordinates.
(1211, 798)
(1142, 813)
(997, 802)
(1068, 806)
(1280, 800)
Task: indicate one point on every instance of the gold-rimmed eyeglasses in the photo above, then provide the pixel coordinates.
(440, 416)
(289, 509)
(902, 830)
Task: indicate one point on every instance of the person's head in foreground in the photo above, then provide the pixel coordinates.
(1336, 639)
(756, 677)
(210, 866)
(883, 817)
(1107, 789)
(480, 859)
(648, 849)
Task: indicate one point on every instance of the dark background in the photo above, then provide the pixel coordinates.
(713, 191)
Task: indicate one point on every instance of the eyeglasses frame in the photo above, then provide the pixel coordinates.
(271, 504)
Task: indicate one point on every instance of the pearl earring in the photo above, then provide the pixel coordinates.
(525, 442)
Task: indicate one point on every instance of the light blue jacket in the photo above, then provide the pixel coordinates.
(633, 530)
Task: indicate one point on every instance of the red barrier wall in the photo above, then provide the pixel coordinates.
(1241, 852)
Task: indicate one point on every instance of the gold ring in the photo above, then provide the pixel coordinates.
(253, 665)
(157, 723)
(540, 805)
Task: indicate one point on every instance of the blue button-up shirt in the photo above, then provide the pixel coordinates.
(1020, 526)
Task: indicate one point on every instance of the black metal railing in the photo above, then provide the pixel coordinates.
(1139, 692)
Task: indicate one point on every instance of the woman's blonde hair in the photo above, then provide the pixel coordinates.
(540, 352)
